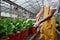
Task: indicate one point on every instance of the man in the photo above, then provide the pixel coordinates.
(48, 29)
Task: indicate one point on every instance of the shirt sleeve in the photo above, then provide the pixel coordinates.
(54, 5)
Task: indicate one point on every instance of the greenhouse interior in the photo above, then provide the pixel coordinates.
(19, 20)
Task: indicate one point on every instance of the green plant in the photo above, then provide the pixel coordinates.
(58, 18)
(30, 23)
(2, 29)
(8, 25)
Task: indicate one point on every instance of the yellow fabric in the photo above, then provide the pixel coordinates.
(48, 29)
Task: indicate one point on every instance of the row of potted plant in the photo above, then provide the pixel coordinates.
(16, 29)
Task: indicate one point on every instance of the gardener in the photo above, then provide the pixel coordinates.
(48, 29)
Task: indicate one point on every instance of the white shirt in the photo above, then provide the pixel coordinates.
(54, 4)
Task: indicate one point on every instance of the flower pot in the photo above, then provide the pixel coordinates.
(33, 30)
(11, 36)
(17, 36)
(22, 35)
(5, 38)
(26, 32)
(30, 31)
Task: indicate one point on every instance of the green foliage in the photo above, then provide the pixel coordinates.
(58, 18)
(8, 25)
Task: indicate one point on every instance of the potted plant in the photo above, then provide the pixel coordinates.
(6, 28)
(9, 28)
(2, 29)
(32, 29)
(58, 22)
(15, 29)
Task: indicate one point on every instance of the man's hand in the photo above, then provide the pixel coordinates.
(37, 23)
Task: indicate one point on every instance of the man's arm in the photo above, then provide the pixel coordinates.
(51, 12)
(40, 13)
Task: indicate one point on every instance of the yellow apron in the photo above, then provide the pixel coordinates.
(48, 29)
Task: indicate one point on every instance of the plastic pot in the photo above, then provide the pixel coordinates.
(22, 35)
(17, 36)
(26, 32)
(11, 36)
(5, 38)
(33, 30)
(30, 31)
